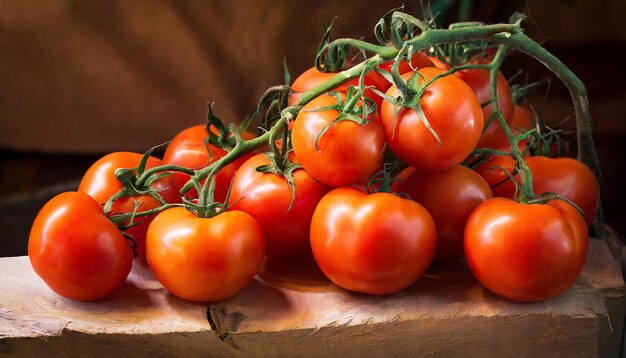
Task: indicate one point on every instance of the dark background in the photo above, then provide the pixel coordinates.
(79, 79)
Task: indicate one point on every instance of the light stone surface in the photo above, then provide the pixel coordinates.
(292, 310)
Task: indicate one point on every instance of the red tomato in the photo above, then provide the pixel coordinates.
(187, 149)
(418, 61)
(522, 118)
(526, 252)
(100, 183)
(312, 78)
(267, 197)
(564, 176)
(204, 259)
(76, 250)
(457, 119)
(348, 152)
(498, 180)
(478, 80)
(496, 138)
(438, 63)
(450, 196)
(377, 244)
(567, 177)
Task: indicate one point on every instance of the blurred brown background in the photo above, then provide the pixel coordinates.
(79, 79)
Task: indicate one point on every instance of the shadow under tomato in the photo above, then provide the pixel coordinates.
(297, 274)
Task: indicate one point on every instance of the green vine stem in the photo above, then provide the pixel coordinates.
(510, 35)
(526, 192)
(576, 88)
(120, 219)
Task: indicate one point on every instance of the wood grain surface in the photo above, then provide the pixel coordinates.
(292, 310)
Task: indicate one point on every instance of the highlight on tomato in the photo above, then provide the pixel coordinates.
(100, 183)
(268, 197)
(526, 252)
(372, 243)
(76, 250)
(456, 119)
(204, 259)
(340, 153)
(450, 196)
(478, 80)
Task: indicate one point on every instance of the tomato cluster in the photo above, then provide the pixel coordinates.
(375, 183)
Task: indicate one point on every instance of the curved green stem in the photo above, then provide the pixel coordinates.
(109, 203)
(162, 168)
(239, 150)
(526, 179)
(576, 88)
(123, 218)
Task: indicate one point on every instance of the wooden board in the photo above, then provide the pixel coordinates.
(292, 310)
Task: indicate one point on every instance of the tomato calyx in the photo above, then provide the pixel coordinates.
(381, 181)
(206, 206)
(356, 108)
(280, 164)
(138, 181)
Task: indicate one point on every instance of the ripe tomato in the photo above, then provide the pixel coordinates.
(204, 259)
(564, 176)
(567, 177)
(526, 252)
(188, 149)
(496, 138)
(312, 78)
(418, 60)
(372, 243)
(76, 250)
(457, 119)
(450, 196)
(267, 197)
(499, 180)
(348, 152)
(478, 80)
(522, 118)
(100, 183)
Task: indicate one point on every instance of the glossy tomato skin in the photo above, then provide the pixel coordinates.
(526, 252)
(450, 196)
(348, 152)
(372, 243)
(567, 177)
(478, 80)
(188, 149)
(267, 197)
(564, 176)
(76, 250)
(312, 78)
(457, 119)
(204, 259)
(100, 183)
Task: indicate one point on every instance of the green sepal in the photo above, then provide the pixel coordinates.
(282, 166)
